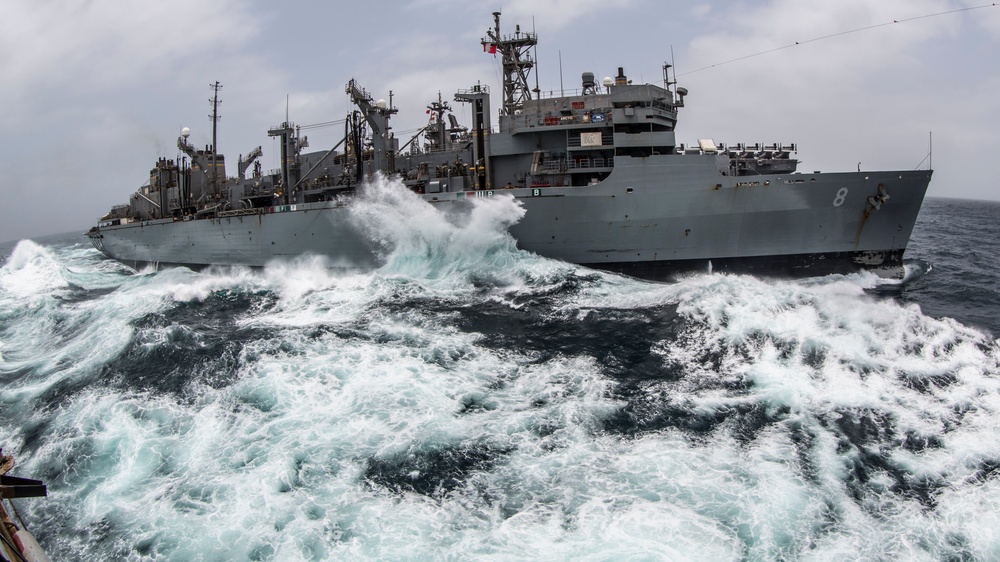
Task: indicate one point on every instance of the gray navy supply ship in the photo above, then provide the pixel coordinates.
(599, 173)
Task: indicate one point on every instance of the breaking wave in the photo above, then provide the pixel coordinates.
(469, 400)
(423, 241)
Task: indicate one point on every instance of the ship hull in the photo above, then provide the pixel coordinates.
(651, 218)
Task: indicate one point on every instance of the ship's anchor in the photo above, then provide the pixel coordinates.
(876, 201)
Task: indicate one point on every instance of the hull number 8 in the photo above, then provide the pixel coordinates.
(841, 195)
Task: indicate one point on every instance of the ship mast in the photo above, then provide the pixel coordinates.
(215, 101)
(515, 52)
(376, 114)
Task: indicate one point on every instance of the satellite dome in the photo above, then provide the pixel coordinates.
(185, 132)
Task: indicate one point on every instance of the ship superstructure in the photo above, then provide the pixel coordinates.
(599, 172)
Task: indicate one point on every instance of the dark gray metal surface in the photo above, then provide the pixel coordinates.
(599, 173)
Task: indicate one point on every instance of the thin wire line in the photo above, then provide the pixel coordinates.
(797, 43)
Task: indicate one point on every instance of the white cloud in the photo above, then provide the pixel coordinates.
(88, 47)
(871, 96)
(96, 90)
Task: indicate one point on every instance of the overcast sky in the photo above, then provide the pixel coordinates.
(93, 92)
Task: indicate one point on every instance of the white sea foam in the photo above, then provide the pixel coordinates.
(31, 273)
(348, 388)
(424, 242)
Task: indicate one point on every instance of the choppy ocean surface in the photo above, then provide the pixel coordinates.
(470, 401)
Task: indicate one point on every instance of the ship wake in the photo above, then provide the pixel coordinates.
(300, 413)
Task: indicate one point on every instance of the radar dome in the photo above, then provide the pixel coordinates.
(380, 103)
(185, 132)
(608, 82)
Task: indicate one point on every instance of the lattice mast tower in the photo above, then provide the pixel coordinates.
(515, 54)
(215, 101)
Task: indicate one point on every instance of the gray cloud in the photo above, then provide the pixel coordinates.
(95, 91)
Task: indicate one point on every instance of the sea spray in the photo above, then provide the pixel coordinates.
(422, 241)
(299, 412)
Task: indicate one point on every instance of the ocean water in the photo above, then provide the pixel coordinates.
(471, 401)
